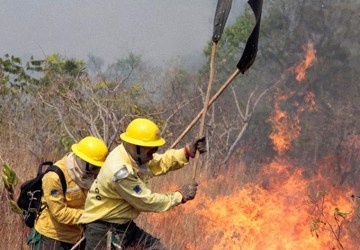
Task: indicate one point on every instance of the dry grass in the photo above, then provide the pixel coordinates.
(12, 230)
(188, 226)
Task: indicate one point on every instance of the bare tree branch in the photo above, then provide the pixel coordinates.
(60, 117)
(248, 115)
(237, 103)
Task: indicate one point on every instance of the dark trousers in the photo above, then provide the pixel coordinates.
(38, 241)
(123, 235)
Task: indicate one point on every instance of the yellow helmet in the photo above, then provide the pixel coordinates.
(92, 150)
(143, 132)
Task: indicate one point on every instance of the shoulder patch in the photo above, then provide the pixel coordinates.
(122, 173)
(54, 192)
(137, 189)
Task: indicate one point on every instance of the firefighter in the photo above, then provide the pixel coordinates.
(120, 192)
(57, 227)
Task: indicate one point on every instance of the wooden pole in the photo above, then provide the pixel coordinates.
(212, 100)
(206, 103)
(78, 243)
(108, 240)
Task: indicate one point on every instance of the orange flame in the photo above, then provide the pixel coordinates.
(309, 99)
(306, 63)
(274, 213)
(281, 208)
(286, 128)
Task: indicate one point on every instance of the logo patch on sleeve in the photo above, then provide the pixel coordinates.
(137, 189)
(121, 174)
(54, 192)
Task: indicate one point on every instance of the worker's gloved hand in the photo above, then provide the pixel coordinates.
(198, 145)
(188, 191)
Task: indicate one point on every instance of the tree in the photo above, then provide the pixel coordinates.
(85, 105)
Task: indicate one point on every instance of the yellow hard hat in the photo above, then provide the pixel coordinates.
(92, 150)
(143, 132)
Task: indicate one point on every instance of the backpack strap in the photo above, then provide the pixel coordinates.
(59, 172)
(61, 175)
(45, 163)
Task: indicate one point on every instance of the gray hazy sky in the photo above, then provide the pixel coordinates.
(158, 30)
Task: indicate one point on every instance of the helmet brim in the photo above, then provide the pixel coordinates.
(156, 143)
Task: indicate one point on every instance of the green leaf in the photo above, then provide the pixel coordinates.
(14, 207)
(9, 175)
(341, 213)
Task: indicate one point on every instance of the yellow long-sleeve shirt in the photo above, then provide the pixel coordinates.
(120, 191)
(59, 219)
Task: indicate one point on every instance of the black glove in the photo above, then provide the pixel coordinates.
(198, 145)
(188, 191)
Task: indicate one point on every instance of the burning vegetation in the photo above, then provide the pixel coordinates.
(283, 207)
